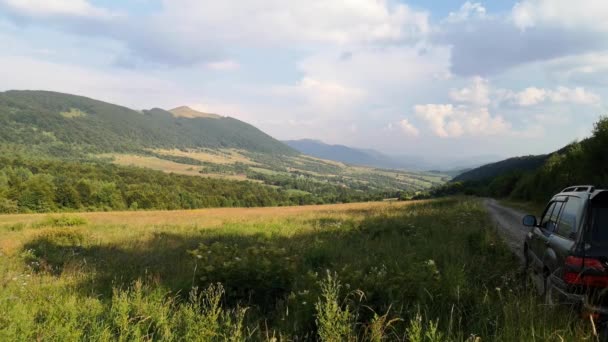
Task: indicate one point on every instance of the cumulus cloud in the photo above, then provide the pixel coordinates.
(408, 128)
(477, 94)
(447, 120)
(54, 8)
(198, 28)
(540, 30)
(588, 15)
(467, 10)
(533, 96)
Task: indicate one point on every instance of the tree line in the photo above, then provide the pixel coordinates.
(34, 184)
(584, 162)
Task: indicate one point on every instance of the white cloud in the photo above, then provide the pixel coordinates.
(576, 95)
(467, 11)
(477, 94)
(590, 14)
(447, 120)
(53, 8)
(199, 28)
(533, 96)
(381, 71)
(121, 87)
(321, 97)
(225, 65)
(327, 21)
(408, 128)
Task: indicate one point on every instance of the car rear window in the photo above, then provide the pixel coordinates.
(598, 223)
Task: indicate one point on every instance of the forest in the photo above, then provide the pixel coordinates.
(41, 117)
(582, 162)
(42, 184)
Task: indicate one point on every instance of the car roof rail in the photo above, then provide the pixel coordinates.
(579, 188)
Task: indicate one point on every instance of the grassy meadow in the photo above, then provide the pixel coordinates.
(411, 271)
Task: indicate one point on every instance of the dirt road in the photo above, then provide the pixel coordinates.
(508, 222)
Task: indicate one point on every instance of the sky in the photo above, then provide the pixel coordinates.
(444, 79)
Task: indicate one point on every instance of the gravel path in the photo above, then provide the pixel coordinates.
(508, 222)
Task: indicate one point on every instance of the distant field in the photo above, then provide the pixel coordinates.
(416, 271)
(241, 165)
(167, 166)
(219, 156)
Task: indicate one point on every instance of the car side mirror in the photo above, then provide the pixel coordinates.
(529, 221)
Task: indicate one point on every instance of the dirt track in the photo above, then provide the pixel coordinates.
(508, 222)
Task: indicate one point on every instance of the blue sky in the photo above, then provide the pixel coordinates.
(449, 79)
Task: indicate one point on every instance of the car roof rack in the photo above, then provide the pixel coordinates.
(579, 188)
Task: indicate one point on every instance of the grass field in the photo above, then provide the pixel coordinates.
(167, 166)
(412, 271)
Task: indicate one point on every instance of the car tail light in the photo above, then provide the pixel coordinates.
(576, 268)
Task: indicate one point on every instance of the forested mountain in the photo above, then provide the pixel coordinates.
(61, 152)
(493, 170)
(343, 153)
(40, 117)
(537, 178)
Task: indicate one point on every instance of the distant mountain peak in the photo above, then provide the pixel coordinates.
(187, 112)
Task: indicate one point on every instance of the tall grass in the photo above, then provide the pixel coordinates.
(427, 271)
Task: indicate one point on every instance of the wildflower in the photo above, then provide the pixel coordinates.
(199, 256)
(498, 289)
(304, 303)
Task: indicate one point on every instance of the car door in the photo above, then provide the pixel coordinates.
(544, 232)
(562, 239)
(537, 236)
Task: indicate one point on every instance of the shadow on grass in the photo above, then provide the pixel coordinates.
(400, 261)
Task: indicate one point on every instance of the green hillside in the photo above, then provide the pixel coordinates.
(516, 164)
(537, 178)
(41, 117)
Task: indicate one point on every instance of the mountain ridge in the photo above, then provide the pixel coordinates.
(187, 112)
(45, 117)
(342, 153)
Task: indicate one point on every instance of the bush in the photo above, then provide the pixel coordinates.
(8, 206)
(260, 274)
(62, 221)
(53, 249)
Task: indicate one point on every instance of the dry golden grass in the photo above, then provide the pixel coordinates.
(167, 166)
(204, 217)
(319, 160)
(110, 226)
(221, 156)
(187, 112)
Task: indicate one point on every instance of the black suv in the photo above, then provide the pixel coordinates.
(569, 249)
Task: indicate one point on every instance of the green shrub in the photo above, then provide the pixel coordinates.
(62, 221)
(259, 274)
(17, 227)
(53, 249)
(334, 321)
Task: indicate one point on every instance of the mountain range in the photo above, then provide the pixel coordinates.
(373, 158)
(42, 117)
